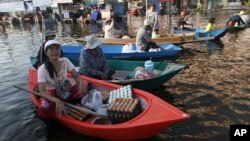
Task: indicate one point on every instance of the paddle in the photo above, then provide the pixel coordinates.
(68, 104)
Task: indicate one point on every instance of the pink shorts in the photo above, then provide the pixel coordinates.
(47, 108)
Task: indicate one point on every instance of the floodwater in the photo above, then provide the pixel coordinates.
(215, 90)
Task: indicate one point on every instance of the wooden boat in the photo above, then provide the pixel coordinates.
(200, 32)
(170, 38)
(156, 115)
(163, 73)
(115, 52)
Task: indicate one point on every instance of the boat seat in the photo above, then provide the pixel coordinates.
(120, 75)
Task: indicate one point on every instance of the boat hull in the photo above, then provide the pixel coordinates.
(200, 32)
(157, 115)
(115, 52)
(218, 33)
(168, 71)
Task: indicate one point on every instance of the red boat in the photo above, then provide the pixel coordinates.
(156, 116)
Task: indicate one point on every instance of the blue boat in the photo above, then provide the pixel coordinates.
(218, 33)
(115, 52)
(200, 32)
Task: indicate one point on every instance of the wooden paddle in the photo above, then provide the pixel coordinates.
(68, 104)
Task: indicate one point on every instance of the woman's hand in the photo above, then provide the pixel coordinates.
(103, 76)
(83, 87)
(59, 106)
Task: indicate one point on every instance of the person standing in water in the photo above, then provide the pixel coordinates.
(152, 16)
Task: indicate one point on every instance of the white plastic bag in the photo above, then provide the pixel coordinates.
(93, 100)
(127, 48)
(125, 37)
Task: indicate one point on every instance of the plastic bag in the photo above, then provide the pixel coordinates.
(125, 37)
(93, 100)
(127, 48)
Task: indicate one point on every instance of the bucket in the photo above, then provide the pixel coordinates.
(101, 121)
(149, 66)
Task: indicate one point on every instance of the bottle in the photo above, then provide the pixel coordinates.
(149, 68)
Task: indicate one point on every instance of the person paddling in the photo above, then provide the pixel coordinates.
(235, 20)
(143, 38)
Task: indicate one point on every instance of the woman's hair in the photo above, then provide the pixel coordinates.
(152, 5)
(50, 68)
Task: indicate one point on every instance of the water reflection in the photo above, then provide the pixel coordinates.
(215, 44)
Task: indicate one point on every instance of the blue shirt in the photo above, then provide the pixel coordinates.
(235, 18)
(93, 66)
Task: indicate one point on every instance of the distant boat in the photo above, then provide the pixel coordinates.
(176, 30)
(154, 117)
(200, 32)
(115, 52)
(163, 73)
(169, 38)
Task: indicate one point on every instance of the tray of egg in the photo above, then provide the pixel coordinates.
(76, 114)
(123, 92)
(124, 108)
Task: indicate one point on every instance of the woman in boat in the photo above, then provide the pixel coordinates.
(211, 25)
(183, 21)
(53, 83)
(143, 38)
(109, 29)
(152, 16)
(41, 55)
(235, 20)
(92, 60)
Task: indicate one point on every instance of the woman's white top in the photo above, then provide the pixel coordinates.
(43, 74)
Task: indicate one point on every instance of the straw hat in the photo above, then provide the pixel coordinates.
(92, 42)
(50, 43)
(147, 22)
(242, 12)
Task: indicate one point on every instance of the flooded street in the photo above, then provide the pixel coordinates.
(215, 90)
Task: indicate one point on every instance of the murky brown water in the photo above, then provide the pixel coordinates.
(215, 90)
